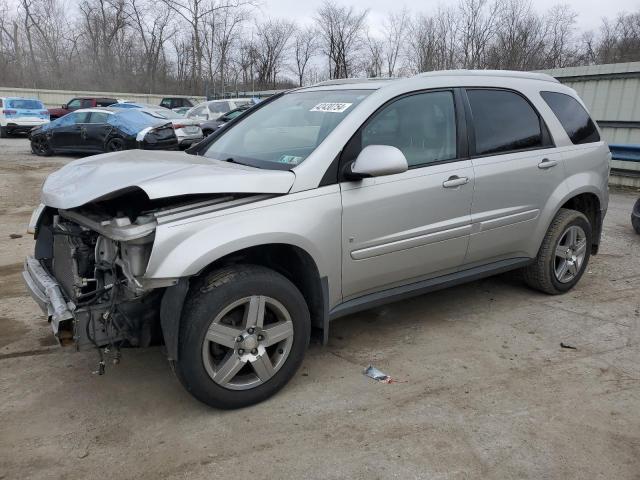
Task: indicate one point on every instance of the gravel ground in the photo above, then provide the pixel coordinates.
(485, 390)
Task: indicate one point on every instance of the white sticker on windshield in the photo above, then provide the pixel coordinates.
(331, 107)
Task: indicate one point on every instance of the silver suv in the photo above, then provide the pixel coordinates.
(317, 203)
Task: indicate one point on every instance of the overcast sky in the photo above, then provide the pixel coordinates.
(590, 12)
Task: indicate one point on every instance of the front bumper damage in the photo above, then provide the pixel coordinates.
(46, 291)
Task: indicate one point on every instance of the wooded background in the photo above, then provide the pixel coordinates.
(202, 47)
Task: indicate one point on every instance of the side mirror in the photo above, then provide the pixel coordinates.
(378, 160)
(64, 106)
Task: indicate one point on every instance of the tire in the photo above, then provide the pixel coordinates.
(115, 145)
(223, 301)
(546, 273)
(635, 216)
(4, 133)
(40, 146)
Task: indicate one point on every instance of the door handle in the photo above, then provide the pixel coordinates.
(546, 163)
(455, 181)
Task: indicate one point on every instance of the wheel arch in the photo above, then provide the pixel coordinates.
(589, 205)
(291, 261)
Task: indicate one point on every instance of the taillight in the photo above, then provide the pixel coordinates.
(9, 112)
(178, 125)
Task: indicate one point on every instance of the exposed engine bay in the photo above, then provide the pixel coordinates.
(98, 254)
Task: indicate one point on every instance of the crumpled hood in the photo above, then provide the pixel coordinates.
(160, 174)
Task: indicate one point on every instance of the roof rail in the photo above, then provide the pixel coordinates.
(491, 73)
(346, 81)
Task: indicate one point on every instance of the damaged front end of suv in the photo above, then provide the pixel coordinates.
(95, 234)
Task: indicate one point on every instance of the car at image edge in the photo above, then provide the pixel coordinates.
(318, 203)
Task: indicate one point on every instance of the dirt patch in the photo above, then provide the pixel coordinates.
(11, 282)
(10, 331)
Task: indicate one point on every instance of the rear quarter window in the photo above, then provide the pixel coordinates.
(574, 118)
(504, 122)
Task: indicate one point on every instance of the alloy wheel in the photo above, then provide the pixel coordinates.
(570, 253)
(247, 342)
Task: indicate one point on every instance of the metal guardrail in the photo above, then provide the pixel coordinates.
(625, 165)
(627, 153)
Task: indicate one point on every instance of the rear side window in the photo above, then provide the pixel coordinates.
(98, 117)
(105, 102)
(504, 122)
(574, 118)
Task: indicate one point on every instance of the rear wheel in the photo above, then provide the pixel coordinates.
(564, 254)
(115, 145)
(40, 146)
(243, 334)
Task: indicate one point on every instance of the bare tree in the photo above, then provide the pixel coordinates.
(304, 47)
(618, 40)
(195, 14)
(182, 45)
(271, 41)
(341, 30)
(373, 64)
(395, 32)
(477, 29)
(151, 24)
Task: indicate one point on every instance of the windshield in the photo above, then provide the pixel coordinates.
(284, 132)
(25, 104)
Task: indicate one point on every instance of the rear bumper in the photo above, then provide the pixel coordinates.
(46, 291)
(23, 125)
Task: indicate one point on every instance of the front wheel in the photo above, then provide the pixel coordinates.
(564, 254)
(4, 133)
(243, 334)
(40, 146)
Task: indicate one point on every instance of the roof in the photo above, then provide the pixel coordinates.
(375, 83)
(96, 110)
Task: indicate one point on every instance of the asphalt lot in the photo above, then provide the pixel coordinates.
(485, 390)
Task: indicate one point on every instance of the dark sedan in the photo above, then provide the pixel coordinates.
(98, 130)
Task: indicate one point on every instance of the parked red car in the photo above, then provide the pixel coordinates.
(80, 102)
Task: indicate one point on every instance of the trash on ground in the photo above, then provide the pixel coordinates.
(566, 345)
(373, 372)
